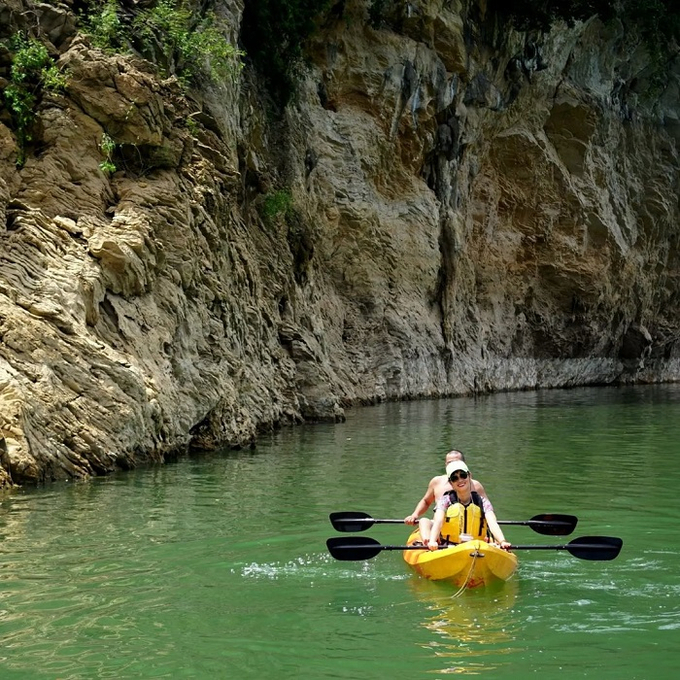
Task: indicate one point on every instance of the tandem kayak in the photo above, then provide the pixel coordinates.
(467, 565)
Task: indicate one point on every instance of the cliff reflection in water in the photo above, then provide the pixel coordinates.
(470, 624)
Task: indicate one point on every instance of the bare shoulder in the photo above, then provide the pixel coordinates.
(479, 488)
(440, 484)
(435, 481)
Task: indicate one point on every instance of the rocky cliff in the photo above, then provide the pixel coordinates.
(447, 206)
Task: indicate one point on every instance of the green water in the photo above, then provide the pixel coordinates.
(216, 567)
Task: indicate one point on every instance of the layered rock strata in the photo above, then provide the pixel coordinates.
(467, 208)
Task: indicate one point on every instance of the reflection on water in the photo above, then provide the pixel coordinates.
(470, 629)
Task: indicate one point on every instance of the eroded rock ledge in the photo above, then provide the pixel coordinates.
(473, 210)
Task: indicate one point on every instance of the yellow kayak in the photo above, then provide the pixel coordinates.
(470, 565)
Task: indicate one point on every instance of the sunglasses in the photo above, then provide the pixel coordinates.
(459, 475)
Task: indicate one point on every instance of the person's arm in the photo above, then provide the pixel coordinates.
(496, 531)
(423, 504)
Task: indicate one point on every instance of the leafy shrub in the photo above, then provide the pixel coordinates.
(182, 41)
(104, 26)
(376, 12)
(540, 14)
(278, 203)
(279, 206)
(32, 71)
(273, 34)
(107, 146)
(657, 20)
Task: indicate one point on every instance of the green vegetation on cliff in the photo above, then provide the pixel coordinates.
(273, 33)
(32, 73)
(182, 38)
(657, 20)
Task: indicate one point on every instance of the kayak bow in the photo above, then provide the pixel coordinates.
(472, 564)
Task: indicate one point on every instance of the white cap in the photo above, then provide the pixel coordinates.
(456, 465)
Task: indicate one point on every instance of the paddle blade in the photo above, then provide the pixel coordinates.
(595, 547)
(353, 547)
(553, 524)
(351, 521)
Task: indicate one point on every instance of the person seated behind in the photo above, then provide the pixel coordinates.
(463, 509)
(436, 488)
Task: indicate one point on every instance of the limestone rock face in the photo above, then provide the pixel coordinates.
(465, 208)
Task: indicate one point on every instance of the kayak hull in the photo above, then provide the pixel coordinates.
(467, 565)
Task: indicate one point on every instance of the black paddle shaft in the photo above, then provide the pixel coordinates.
(546, 524)
(600, 548)
(585, 548)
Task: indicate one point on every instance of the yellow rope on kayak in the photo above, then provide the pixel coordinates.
(461, 590)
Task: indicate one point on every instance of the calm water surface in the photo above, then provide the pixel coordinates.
(216, 567)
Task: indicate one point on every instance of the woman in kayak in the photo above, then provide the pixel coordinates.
(435, 489)
(463, 511)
